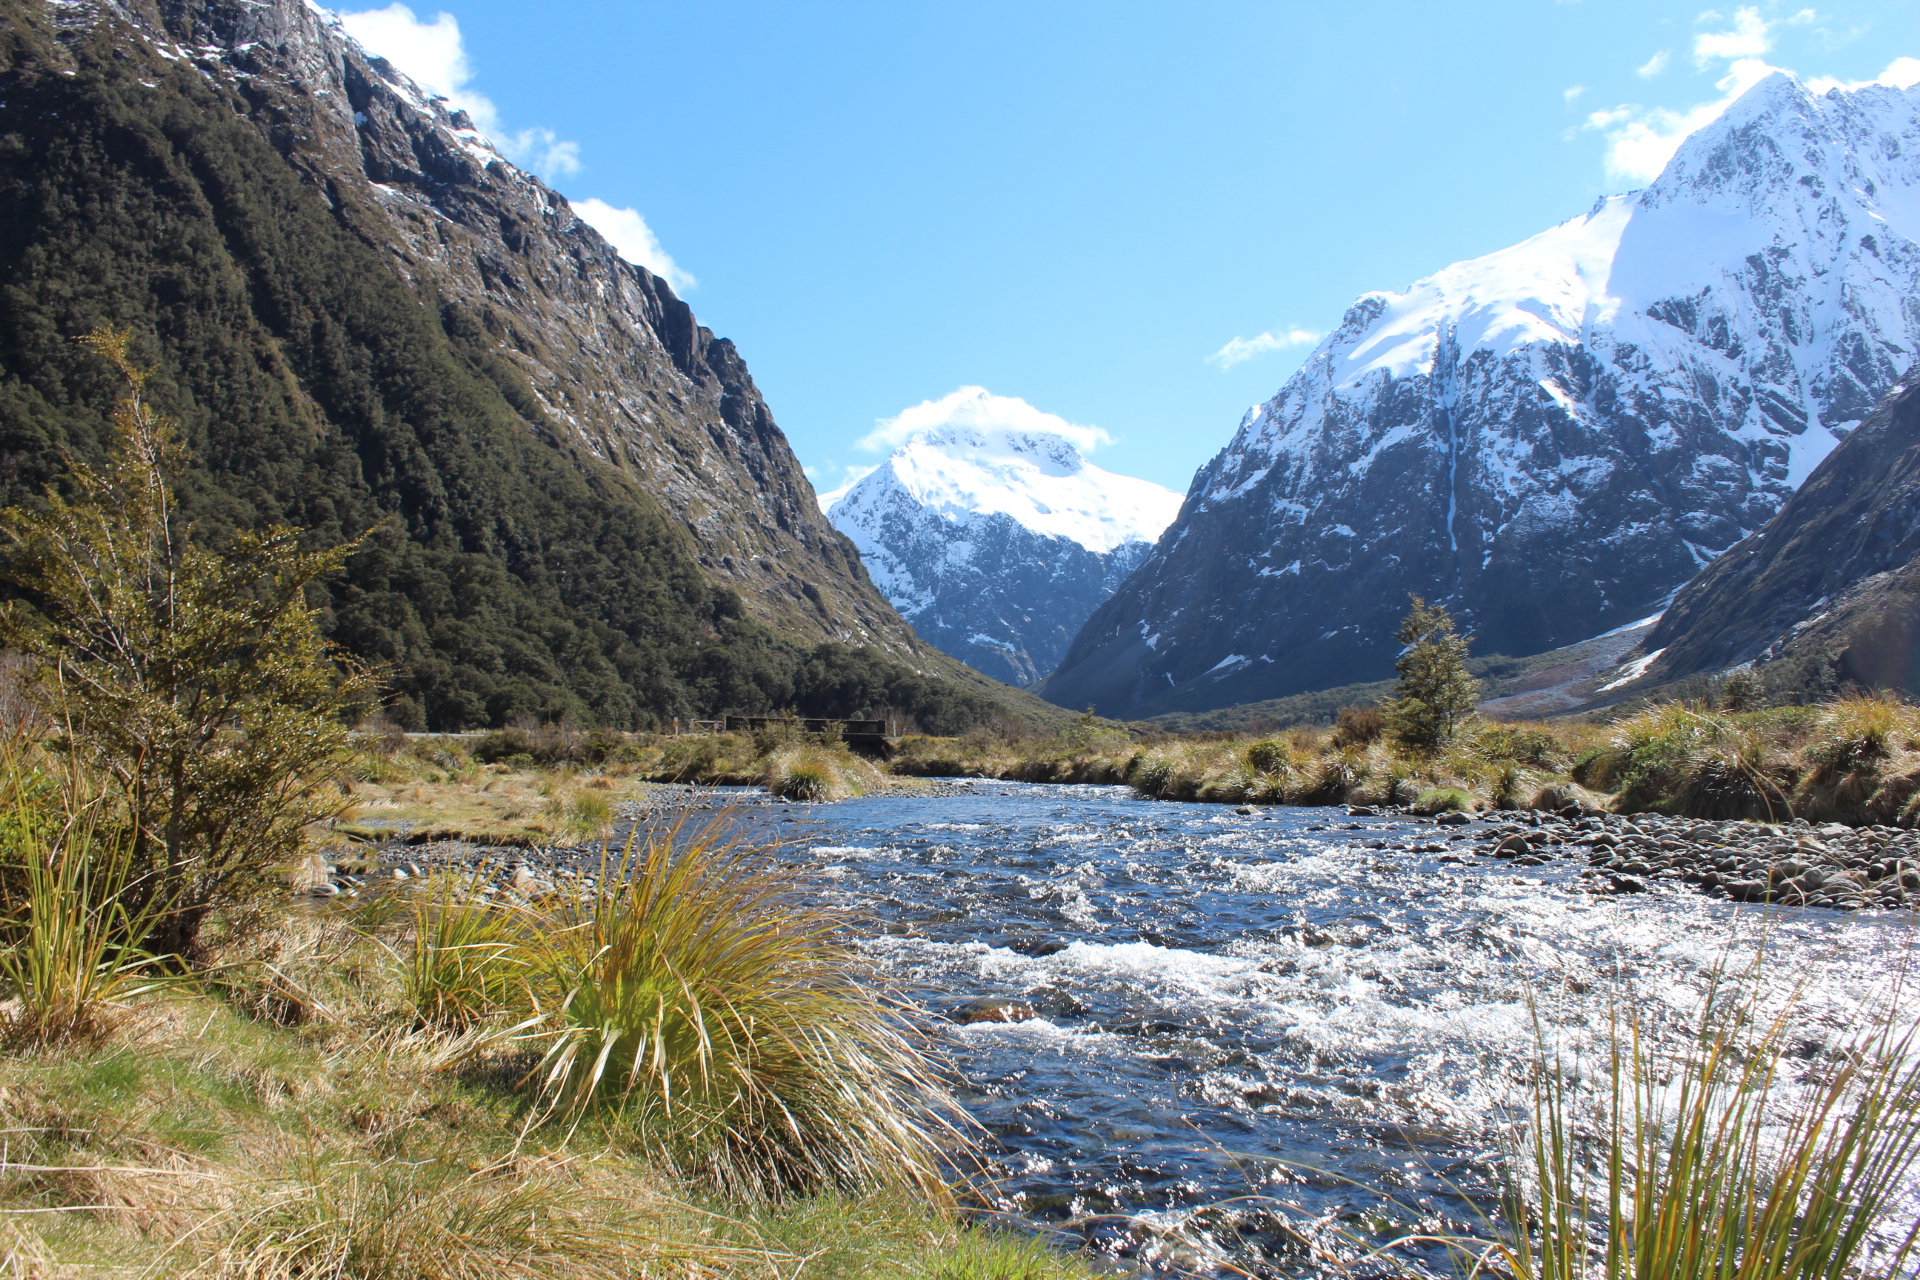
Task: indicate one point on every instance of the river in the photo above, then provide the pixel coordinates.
(1268, 1039)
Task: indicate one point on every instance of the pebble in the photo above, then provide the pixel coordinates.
(1794, 864)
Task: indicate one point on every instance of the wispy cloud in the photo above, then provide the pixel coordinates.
(1241, 350)
(1571, 92)
(1653, 66)
(980, 409)
(630, 235)
(434, 56)
(1901, 73)
(1750, 36)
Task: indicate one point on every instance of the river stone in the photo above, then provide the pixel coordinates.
(1511, 847)
(993, 1009)
(325, 889)
(1453, 818)
(1628, 884)
(1362, 811)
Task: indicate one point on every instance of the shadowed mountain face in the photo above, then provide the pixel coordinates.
(1831, 586)
(364, 318)
(1549, 440)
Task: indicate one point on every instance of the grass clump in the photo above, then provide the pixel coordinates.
(70, 953)
(737, 1036)
(818, 774)
(1444, 800)
(1733, 1157)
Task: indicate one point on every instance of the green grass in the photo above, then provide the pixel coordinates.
(722, 1016)
(225, 1144)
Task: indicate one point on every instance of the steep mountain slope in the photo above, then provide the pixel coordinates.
(1828, 593)
(997, 544)
(363, 318)
(1550, 439)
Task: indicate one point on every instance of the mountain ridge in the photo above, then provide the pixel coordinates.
(996, 543)
(1549, 439)
(179, 170)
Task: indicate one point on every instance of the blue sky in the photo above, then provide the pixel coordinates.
(1134, 216)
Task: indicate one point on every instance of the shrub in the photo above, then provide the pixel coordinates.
(196, 681)
(1435, 693)
(705, 996)
(1269, 755)
(1359, 726)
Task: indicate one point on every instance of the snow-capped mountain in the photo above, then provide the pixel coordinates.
(996, 543)
(1550, 439)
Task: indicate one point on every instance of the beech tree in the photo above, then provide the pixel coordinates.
(1435, 692)
(196, 680)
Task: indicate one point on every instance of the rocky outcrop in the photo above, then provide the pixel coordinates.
(613, 357)
(1550, 440)
(997, 544)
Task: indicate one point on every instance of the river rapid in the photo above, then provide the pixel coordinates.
(1264, 1041)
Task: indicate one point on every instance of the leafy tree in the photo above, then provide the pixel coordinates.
(197, 680)
(1435, 692)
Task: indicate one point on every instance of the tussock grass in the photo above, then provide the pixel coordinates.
(721, 1015)
(1732, 1157)
(71, 953)
(201, 1136)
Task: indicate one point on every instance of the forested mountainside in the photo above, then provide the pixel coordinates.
(1828, 593)
(365, 319)
(996, 544)
(1551, 439)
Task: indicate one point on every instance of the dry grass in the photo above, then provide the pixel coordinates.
(1737, 1156)
(206, 1136)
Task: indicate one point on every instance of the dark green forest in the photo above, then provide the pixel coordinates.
(505, 573)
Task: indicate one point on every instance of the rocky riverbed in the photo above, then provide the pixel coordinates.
(1792, 863)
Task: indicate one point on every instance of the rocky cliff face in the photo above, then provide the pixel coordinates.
(1551, 439)
(1828, 587)
(612, 356)
(997, 544)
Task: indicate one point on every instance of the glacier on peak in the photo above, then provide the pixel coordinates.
(997, 542)
(1552, 437)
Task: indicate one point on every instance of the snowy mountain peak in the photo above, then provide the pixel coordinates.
(1037, 478)
(1549, 438)
(996, 541)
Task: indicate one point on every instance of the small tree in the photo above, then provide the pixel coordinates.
(196, 680)
(1435, 692)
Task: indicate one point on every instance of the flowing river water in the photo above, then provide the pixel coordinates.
(1263, 1040)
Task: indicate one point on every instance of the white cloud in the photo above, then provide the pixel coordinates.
(1572, 91)
(1641, 140)
(1653, 66)
(1901, 73)
(1802, 18)
(430, 52)
(1751, 36)
(629, 233)
(1240, 350)
(980, 409)
(435, 57)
